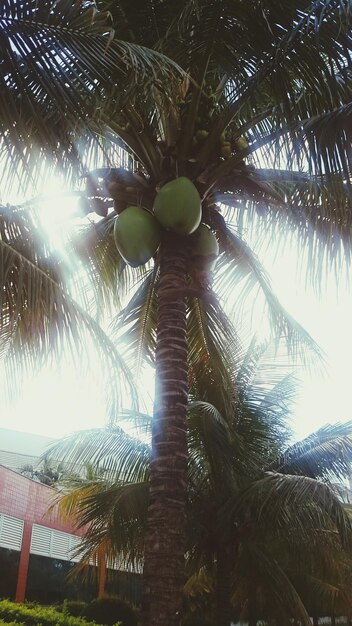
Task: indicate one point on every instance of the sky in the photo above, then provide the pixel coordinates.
(58, 402)
(324, 394)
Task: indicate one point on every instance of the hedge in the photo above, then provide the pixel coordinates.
(23, 615)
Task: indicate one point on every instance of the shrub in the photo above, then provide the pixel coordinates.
(24, 615)
(74, 607)
(110, 610)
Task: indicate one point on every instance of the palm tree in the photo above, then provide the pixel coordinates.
(247, 529)
(48, 473)
(248, 516)
(258, 122)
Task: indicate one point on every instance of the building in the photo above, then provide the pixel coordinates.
(37, 548)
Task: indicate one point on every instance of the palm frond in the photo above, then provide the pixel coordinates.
(277, 66)
(61, 68)
(318, 593)
(114, 516)
(283, 500)
(67, 505)
(325, 454)
(212, 344)
(266, 572)
(239, 266)
(323, 204)
(261, 424)
(92, 251)
(118, 455)
(40, 321)
(136, 324)
(209, 444)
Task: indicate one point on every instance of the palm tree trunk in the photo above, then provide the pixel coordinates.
(163, 576)
(223, 587)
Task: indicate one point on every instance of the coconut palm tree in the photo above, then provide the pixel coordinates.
(252, 544)
(257, 121)
(248, 515)
(286, 543)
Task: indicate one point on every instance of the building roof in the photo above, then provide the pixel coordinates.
(24, 443)
(18, 449)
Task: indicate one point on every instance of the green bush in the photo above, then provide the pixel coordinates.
(21, 614)
(74, 607)
(110, 610)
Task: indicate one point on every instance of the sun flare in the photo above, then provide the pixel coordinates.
(57, 210)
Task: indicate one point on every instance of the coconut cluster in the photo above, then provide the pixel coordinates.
(208, 113)
(177, 208)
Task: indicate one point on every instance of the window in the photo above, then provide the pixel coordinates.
(11, 531)
(53, 543)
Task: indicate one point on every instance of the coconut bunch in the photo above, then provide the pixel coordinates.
(115, 188)
(208, 112)
(176, 208)
(142, 215)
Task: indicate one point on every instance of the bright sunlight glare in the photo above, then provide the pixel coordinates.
(56, 211)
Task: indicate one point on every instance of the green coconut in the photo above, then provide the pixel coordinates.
(177, 206)
(137, 235)
(206, 248)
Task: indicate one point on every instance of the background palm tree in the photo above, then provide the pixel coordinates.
(250, 519)
(47, 473)
(260, 124)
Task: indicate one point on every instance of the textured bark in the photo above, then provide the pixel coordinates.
(163, 576)
(223, 587)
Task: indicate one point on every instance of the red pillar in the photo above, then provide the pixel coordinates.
(24, 562)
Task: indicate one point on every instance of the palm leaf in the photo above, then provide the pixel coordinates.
(140, 318)
(210, 445)
(281, 499)
(286, 72)
(92, 252)
(212, 344)
(114, 520)
(120, 456)
(239, 266)
(325, 454)
(40, 320)
(60, 69)
(116, 516)
(271, 576)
